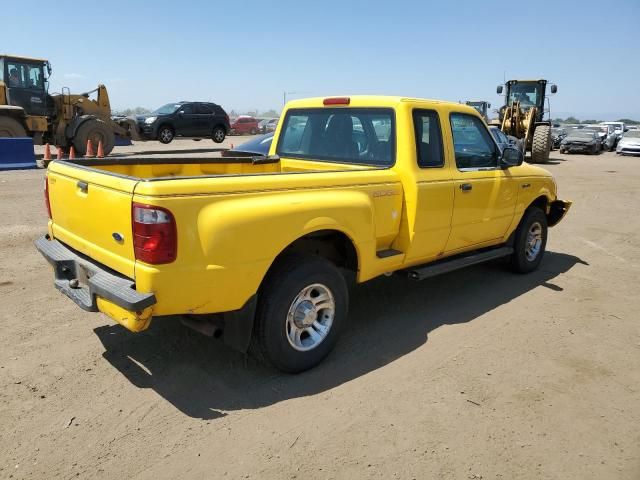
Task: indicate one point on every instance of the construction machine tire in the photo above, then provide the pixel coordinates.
(96, 130)
(541, 145)
(10, 127)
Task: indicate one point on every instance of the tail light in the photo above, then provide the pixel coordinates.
(155, 238)
(46, 196)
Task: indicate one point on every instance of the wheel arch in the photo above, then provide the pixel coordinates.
(330, 243)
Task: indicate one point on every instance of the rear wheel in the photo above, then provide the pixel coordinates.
(301, 310)
(252, 131)
(218, 135)
(10, 127)
(97, 131)
(530, 241)
(165, 134)
(541, 145)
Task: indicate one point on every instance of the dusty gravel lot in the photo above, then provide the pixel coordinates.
(476, 374)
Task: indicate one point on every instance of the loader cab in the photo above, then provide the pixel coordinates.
(530, 93)
(26, 83)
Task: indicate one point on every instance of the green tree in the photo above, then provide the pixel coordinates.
(628, 121)
(571, 120)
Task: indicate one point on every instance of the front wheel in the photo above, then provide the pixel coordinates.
(165, 134)
(301, 309)
(252, 131)
(218, 135)
(530, 241)
(98, 132)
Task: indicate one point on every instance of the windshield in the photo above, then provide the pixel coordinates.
(582, 133)
(632, 134)
(362, 136)
(24, 75)
(525, 93)
(168, 108)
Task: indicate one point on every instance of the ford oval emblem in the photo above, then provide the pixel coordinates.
(118, 237)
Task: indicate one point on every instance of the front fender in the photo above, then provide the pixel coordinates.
(74, 124)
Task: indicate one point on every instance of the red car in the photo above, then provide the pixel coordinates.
(243, 125)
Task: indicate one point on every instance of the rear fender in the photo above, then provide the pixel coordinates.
(235, 232)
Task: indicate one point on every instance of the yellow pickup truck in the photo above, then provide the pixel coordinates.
(256, 249)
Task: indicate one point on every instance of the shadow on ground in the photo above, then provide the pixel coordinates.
(389, 317)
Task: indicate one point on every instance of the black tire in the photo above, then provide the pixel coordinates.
(282, 289)
(252, 131)
(166, 134)
(541, 145)
(11, 128)
(594, 150)
(524, 258)
(218, 134)
(96, 130)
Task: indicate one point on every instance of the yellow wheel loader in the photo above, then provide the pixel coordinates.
(65, 119)
(525, 117)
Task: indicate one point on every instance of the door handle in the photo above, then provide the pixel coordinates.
(83, 186)
(526, 185)
(465, 187)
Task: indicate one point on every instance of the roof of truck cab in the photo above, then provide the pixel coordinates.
(367, 101)
(20, 57)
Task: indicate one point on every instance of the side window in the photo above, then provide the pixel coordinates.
(204, 109)
(187, 108)
(428, 139)
(473, 145)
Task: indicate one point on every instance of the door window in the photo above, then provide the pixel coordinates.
(187, 109)
(473, 145)
(428, 139)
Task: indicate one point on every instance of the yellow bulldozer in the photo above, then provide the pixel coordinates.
(525, 117)
(64, 119)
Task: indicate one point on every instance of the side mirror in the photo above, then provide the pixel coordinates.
(181, 112)
(511, 157)
(499, 89)
(554, 88)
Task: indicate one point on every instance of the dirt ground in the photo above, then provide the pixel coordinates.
(476, 374)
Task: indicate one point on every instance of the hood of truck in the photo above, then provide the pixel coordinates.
(91, 213)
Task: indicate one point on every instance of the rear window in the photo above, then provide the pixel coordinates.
(364, 136)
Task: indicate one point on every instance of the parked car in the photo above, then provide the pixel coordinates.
(256, 252)
(607, 134)
(504, 140)
(244, 125)
(271, 125)
(629, 144)
(619, 127)
(184, 119)
(557, 135)
(581, 141)
(256, 146)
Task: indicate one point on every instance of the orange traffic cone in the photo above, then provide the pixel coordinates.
(89, 153)
(100, 150)
(60, 154)
(72, 153)
(47, 153)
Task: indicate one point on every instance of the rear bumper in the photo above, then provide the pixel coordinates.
(70, 269)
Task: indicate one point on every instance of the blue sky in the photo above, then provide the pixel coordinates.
(245, 54)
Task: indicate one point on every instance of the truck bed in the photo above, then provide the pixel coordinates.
(149, 168)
